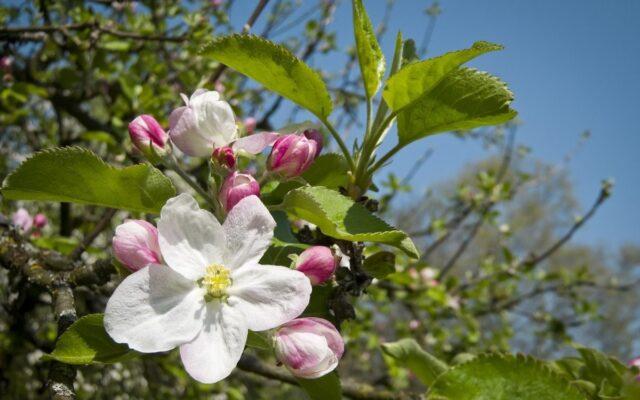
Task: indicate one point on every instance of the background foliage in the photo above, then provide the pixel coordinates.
(496, 273)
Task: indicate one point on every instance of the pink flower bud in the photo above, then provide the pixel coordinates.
(224, 157)
(292, 155)
(250, 125)
(22, 219)
(146, 133)
(5, 64)
(236, 187)
(40, 221)
(309, 347)
(414, 324)
(136, 244)
(316, 136)
(635, 363)
(318, 263)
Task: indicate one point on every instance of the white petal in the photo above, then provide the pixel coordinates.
(214, 95)
(155, 309)
(268, 295)
(190, 238)
(184, 133)
(215, 352)
(214, 118)
(249, 229)
(254, 144)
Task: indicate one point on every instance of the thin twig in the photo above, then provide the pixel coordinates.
(485, 210)
(247, 27)
(359, 391)
(535, 259)
(102, 224)
(41, 33)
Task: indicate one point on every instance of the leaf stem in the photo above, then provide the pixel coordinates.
(343, 147)
(172, 164)
(385, 158)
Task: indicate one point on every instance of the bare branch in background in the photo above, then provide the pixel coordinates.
(245, 29)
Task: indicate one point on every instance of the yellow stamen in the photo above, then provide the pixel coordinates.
(216, 281)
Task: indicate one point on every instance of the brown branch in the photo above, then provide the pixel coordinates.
(308, 52)
(102, 224)
(486, 209)
(356, 391)
(247, 27)
(61, 375)
(533, 259)
(41, 33)
(46, 268)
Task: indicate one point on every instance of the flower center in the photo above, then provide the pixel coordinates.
(216, 281)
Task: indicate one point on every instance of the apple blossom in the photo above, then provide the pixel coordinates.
(316, 136)
(250, 125)
(40, 221)
(146, 133)
(236, 187)
(308, 347)
(209, 292)
(318, 263)
(22, 219)
(204, 123)
(136, 244)
(224, 157)
(635, 363)
(293, 154)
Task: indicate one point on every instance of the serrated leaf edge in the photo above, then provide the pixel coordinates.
(519, 357)
(286, 53)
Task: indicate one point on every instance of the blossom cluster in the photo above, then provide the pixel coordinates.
(199, 284)
(26, 223)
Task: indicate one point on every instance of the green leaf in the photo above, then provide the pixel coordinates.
(284, 245)
(417, 79)
(600, 369)
(329, 170)
(319, 303)
(409, 354)
(369, 54)
(502, 377)
(76, 175)
(258, 340)
(465, 99)
(341, 218)
(324, 388)
(276, 68)
(380, 264)
(86, 342)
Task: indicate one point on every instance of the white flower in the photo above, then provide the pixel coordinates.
(211, 290)
(204, 123)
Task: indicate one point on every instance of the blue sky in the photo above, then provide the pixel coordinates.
(573, 66)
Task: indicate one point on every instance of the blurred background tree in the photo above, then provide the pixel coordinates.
(497, 272)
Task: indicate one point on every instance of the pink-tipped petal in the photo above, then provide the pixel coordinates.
(318, 263)
(309, 347)
(256, 143)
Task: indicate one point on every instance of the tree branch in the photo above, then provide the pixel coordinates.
(247, 27)
(41, 33)
(358, 391)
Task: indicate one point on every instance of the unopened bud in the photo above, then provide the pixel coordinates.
(292, 155)
(224, 157)
(236, 187)
(318, 263)
(40, 221)
(309, 347)
(136, 244)
(148, 136)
